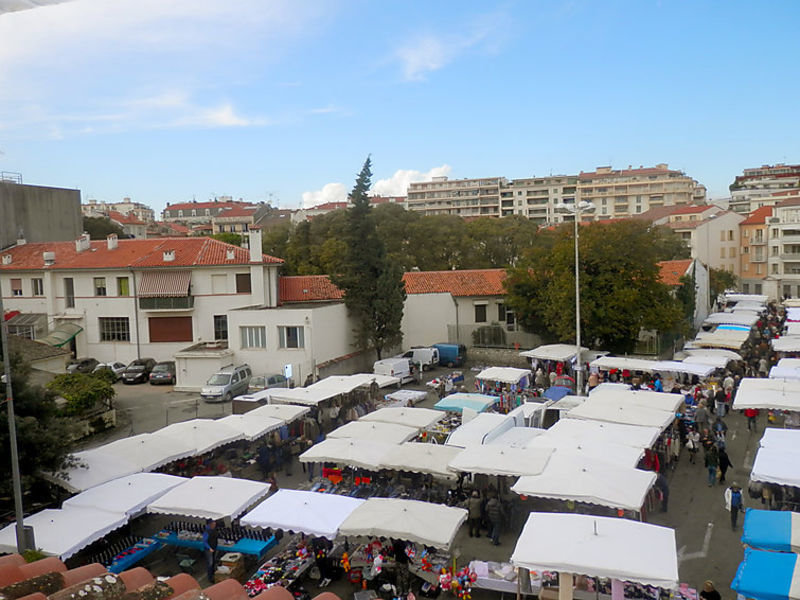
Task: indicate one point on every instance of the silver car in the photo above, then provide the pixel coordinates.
(115, 367)
(226, 384)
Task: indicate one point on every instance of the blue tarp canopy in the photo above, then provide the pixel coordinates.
(556, 392)
(458, 402)
(767, 576)
(772, 530)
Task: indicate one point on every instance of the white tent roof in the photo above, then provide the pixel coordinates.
(581, 477)
(149, 451)
(474, 432)
(503, 374)
(616, 411)
(733, 318)
(643, 398)
(204, 434)
(793, 313)
(616, 454)
(382, 380)
(674, 366)
(622, 362)
(568, 402)
(287, 412)
(787, 439)
(610, 385)
(311, 513)
(252, 426)
(721, 338)
(718, 362)
(304, 396)
(420, 418)
(95, 467)
(420, 522)
(753, 298)
(557, 352)
(501, 460)
(327, 388)
(792, 328)
(779, 394)
(599, 547)
(777, 372)
(128, 495)
(64, 532)
(787, 343)
(789, 363)
(432, 459)
(365, 454)
(713, 352)
(517, 437)
(629, 435)
(775, 464)
(406, 396)
(210, 497)
(376, 431)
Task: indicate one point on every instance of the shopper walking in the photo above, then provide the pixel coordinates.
(724, 464)
(473, 506)
(712, 462)
(751, 414)
(734, 502)
(701, 417)
(494, 511)
(709, 592)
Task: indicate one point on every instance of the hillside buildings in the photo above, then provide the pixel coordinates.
(757, 187)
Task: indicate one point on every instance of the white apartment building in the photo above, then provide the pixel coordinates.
(536, 197)
(756, 187)
(462, 197)
(783, 250)
(140, 211)
(713, 237)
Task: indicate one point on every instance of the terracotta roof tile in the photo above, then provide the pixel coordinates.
(758, 216)
(122, 219)
(204, 205)
(237, 211)
(308, 288)
(671, 271)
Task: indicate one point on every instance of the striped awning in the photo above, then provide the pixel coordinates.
(164, 284)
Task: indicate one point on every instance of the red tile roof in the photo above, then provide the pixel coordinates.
(673, 270)
(189, 252)
(238, 211)
(308, 288)
(691, 209)
(204, 205)
(758, 216)
(129, 219)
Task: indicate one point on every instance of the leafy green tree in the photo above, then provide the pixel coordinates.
(621, 292)
(720, 280)
(686, 294)
(82, 391)
(228, 237)
(275, 239)
(373, 286)
(99, 228)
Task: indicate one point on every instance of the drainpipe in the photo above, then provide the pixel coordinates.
(136, 315)
(458, 333)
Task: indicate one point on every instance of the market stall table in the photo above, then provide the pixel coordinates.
(250, 546)
(405, 397)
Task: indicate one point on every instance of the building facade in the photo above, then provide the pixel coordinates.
(537, 197)
(753, 251)
(756, 187)
(200, 212)
(38, 214)
(461, 197)
(140, 211)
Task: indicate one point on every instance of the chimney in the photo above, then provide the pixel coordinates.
(169, 255)
(230, 254)
(49, 258)
(21, 241)
(6, 259)
(82, 243)
(254, 242)
(112, 241)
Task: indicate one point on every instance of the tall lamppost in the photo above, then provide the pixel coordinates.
(577, 209)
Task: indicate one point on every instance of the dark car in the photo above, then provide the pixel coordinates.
(138, 371)
(81, 365)
(163, 372)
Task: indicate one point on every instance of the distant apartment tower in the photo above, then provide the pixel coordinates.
(461, 197)
(756, 187)
(537, 197)
(627, 192)
(142, 212)
(201, 212)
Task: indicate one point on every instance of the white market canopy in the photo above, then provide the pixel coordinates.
(504, 374)
(777, 394)
(501, 460)
(730, 354)
(644, 398)
(616, 433)
(310, 513)
(787, 439)
(407, 397)
(375, 431)
(94, 467)
(718, 362)
(758, 299)
(774, 464)
(610, 452)
(476, 431)
(787, 343)
(517, 437)
(148, 450)
(792, 313)
(789, 363)
(364, 454)
(64, 532)
(586, 477)
(286, 412)
(733, 318)
(777, 372)
(420, 418)
(674, 366)
(556, 352)
(607, 363)
(204, 435)
(792, 328)
(721, 338)
(210, 498)
(127, 495)
(410, 520)
(252, 426)
(625, 413)
(599, 547)
(413, 457)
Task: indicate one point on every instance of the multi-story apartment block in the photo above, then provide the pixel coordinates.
(140, 211)
(626, 192)
(132, 226)
(537, 197)
(783, 250)
(200, 212)
(753, 251)
(462, 197)
(756, 187)
(238, 219)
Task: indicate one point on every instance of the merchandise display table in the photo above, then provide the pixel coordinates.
(501, 577)
(243, 545)
(130, 556)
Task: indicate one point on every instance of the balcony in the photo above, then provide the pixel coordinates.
(758, 242)
(167, 303)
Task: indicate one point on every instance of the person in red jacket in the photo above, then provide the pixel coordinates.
(751, 414)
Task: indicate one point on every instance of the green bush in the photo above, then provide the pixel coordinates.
(82, 391)
(106, 374)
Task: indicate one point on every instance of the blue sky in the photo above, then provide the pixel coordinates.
(282, 100)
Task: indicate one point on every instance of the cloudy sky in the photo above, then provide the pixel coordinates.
(282, 100)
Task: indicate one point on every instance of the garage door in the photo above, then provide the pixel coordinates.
(170, 329)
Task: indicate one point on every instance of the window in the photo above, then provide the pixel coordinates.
(219, 284)
(775, 251)
(721, 236)
(722, 252)
(69, 292)
(480, 313)
(291, 337)
(501, 312)
(758, 288)
(787, 291)
(253, 337)
(123, 286)
(38, 286)
(759, 270)
(220, 327)
(730, 235)
(16, 287)
(170, 329)
(745, 288)
(243, 283)
(746, 250)
(114, 329)
(180, 213)
(775, 269)
(99, 286)
(731, 252)
(774, 233)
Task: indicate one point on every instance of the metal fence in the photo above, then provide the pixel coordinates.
(492, 335)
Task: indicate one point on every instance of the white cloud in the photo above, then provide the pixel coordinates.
(330, 192)
(397, 184)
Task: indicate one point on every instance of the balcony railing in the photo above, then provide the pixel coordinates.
(168, 303)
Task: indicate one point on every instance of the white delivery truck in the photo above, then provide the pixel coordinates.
(394, 367)
(427, 357)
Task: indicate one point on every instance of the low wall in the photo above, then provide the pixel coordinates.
(496, 357)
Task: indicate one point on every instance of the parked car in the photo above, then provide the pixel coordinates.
(138, 371)
(115, 367)
(227, 383)
(427, 357)
(81, 365)
(264, 382)
(163, 372)
(394, 367)
(452, 355)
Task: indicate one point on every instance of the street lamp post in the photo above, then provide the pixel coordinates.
(577, 209)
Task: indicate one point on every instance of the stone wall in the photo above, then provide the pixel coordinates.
(496, 357)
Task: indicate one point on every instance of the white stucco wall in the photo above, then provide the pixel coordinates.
(425, 319)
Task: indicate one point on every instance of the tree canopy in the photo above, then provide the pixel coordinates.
(99, 228)
(621, 292)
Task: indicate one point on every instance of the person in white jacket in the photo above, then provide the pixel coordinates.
(734, 502)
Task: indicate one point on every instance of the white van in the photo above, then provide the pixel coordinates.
(427, 357)
(394, 367)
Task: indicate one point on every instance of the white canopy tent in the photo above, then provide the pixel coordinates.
(557, 352)
(730, 354)
(420, 522)
(610, 385)
(792, 328)
(733, 318)
(721, 338)
(148, 450)
(420, 418)
(787, 343)
(252, 426)
(309, 396)
(580, 477)
(616, 411)
(127, 495)
(789, 363)
(616, 454)
(600, 547)
(375, 431)
(94, 467)
(787, 439)
(517, 437)
(310, 513)
(777, 394)
(210, 498)
(607, 363)
(203, 434)
(475, 432)
(616, 433)
(759, 299)
(777, 372)
(643, 398)
(431, 459)
(717, 362)
(674, 366)
(64, 532)
(364, 454)
(793, 313)
(775, 464)
(504, 374)
(501, 460)
(407, 397)
(286, 412)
